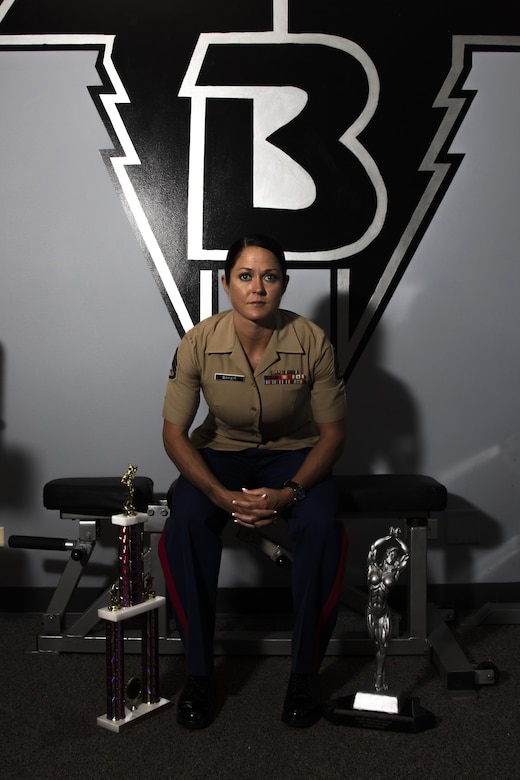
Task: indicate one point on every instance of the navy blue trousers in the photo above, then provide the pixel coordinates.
(190, 550)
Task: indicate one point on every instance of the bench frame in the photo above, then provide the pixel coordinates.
(427, 632)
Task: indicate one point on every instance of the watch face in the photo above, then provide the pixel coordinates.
(299, 492)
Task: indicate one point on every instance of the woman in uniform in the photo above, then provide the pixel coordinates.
(274, 429)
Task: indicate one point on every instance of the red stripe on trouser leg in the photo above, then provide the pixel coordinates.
(332, 600)
(172, 590)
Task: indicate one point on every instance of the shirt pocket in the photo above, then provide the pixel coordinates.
(232, 401)
(285, 405)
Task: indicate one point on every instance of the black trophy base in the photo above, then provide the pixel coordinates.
(411, 718)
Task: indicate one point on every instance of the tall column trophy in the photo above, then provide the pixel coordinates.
(131, 596)
(382, 707)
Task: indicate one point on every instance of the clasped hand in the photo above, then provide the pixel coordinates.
(258, 507)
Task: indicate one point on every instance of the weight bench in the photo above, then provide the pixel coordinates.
(408, 498)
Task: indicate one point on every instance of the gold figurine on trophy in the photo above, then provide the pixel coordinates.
(128, 480)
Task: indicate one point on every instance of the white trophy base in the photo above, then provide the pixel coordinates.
(142, 711)
(122, 613)
(389, 702)
(122, 519)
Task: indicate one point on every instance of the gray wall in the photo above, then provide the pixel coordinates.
(86, 339)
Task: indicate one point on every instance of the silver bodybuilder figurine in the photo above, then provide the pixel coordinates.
(382, 576)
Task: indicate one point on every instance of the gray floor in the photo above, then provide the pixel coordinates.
(49, 705)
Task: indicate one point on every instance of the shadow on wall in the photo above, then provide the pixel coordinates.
(384, 436)
(383, 426)
(464, 532)
(16, 471)
(16, 478)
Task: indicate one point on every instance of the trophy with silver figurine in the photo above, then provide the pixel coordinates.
(382, 707)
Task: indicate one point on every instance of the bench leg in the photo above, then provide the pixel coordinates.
(457, 674)
(53, 619)
(417, 590)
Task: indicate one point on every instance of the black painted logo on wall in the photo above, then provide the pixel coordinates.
(302, 120)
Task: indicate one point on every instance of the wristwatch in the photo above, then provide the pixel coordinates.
(299, 491)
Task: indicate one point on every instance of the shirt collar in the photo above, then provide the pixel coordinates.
(223, 337)
(285, 339)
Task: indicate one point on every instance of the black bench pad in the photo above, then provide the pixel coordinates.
(405, 494)
(95, 496)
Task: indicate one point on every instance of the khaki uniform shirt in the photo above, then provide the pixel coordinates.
(275, 407)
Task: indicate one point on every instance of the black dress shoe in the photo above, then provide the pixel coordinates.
(302, 706)
(196, 705)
